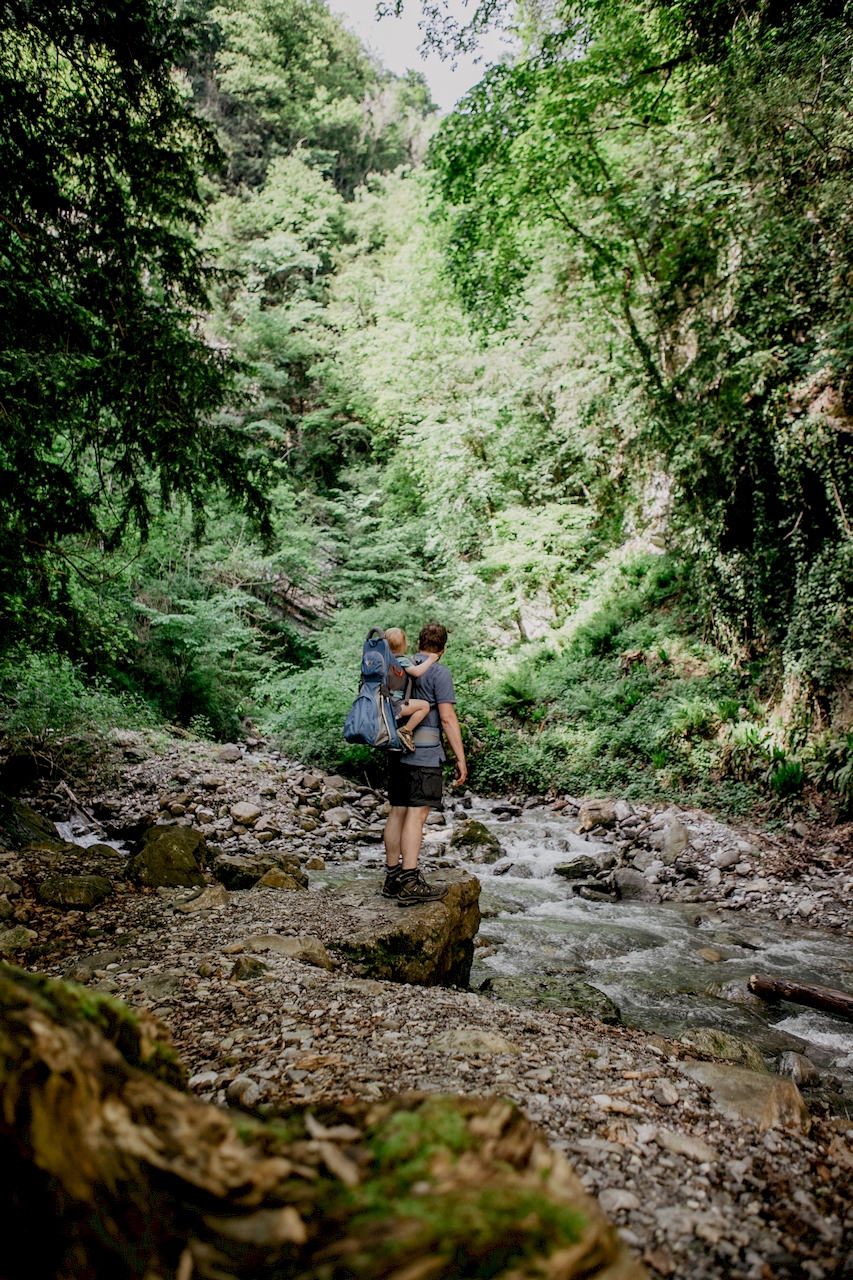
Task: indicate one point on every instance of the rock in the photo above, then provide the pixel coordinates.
(647, 858)
(82, 970)
(104, 851)
(78, 893)
(531, 992)
(246, 813)
(736, 992)
(725, 858)
(799, 1069)
(432, 945)
(334, 782)
(719, 1044)
(25, 826)
(770, 1101)
(315, 864)
(710, 955)
(213, 896)
(713, 877)
(665, 1094)
(247, 967)
(169, 856)
(578, 869)
(597, 813)
(275, 878)
(475, 842)
(633, 885)
(311, 782)
(681, 1144)
(338, 816)
(267, 826)
(9, 886)
(670, 841)
(617, 1200)
(159, 986)
(306, 950)
(243, 1089)
(230, 753)
(212, 780)
(16, 939)
(6, 909)
(623, 810)
(462, 1041)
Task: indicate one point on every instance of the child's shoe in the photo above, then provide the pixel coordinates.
(405, 736)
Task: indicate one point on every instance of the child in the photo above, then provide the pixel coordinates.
(414, 710)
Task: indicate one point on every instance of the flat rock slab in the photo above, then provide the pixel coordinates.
(74, 893)
(719, 1044)
(307, 950)
(770, 1101)
(526, 991)
(430, 945)
(213, 896)
(474, 1041)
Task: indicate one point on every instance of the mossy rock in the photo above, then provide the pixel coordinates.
(708, 1042)
(554, 993)
(476, 843)
(74, 893)
(170, 856)
(26, 827)
(578, 869)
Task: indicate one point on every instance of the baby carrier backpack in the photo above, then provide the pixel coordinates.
(371, 719)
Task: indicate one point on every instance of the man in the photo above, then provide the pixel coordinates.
(415, 779)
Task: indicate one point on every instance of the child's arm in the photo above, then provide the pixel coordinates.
(417, 669)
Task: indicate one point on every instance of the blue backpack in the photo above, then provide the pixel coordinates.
(371, 720)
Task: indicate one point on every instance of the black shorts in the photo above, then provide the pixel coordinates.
(412, 786)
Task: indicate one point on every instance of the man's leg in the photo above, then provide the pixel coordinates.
(412, 835)
(393, 834)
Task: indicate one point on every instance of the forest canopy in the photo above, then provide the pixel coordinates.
(284, 354)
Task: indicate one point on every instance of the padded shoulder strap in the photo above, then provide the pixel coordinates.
(376, 631)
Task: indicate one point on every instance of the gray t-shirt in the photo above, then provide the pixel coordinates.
(434, 686)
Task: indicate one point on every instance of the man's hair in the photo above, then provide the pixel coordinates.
(396, 638)
(433, 638)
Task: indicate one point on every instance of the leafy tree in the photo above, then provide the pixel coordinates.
(108, 389)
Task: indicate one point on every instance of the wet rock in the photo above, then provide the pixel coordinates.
(633, 886)
(78, 893)
(799, 1069)
(9, 886)
(597, 813)
(475, 1041)
(431, 945)
(246, 813)
(245, 872)
(528, 991)
(170, 856)
(213, 896)
(25, 826)
(16, 939)
(770, 1101)
(710, 955)
(247, 967)
(578, 869)
(475, 842)
(719, 1044)
(306, 950)
(230, 753)
(315, 864)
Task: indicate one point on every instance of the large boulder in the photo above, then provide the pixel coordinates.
(531, 992)
(579, 868)
(634, 886)
(597, 813)
(712, 1043)
(168, 857)
(74, 893)
(476, 842)
(430, 946)
(244, 871)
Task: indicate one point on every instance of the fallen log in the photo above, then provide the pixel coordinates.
(824, 998)
(110, 1172)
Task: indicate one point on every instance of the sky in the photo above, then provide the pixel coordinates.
(397, 41)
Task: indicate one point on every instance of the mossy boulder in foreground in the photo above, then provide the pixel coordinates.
(108, 1172)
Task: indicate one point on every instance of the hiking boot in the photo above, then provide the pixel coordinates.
(391, 886)
(413, 890)
(405, 736)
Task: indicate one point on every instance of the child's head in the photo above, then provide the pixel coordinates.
(396, 638)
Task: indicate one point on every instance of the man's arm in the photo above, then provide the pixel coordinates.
(450, 725)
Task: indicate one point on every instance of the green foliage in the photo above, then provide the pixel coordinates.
(109, 394)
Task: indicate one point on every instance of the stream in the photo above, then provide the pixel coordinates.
(643, 956)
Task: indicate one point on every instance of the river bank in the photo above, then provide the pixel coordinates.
(696, 1185)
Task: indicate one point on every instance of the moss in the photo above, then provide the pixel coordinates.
(136, 1038)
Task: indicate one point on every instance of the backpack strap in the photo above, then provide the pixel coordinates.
(375, 631)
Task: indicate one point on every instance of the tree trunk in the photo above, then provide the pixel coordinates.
(823, 998)
(108, 1171)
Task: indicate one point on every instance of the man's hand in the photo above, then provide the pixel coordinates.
(450, 725)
